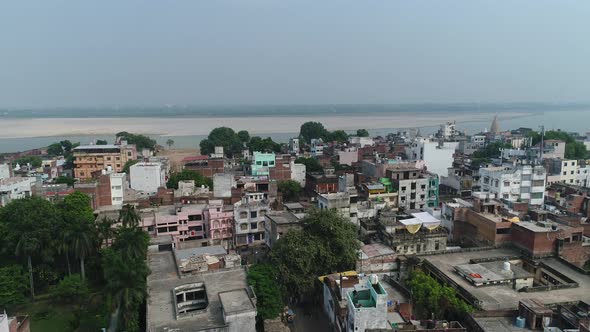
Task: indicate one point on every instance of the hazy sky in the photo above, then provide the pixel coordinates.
(119, 52)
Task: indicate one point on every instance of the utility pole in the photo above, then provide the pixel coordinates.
(541, 150)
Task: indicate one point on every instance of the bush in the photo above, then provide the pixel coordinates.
(71, 289)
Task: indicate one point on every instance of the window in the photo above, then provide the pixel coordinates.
(243, 227)
(259, 163)
(128, 154)
(243, 215)
(565, 164)
(506, 183)
(271, 163)
(404, 188)
(108, 158)
(195, 217)
(436, 245)
(265, 163)
(150, 228)
(118, 158)
(573, 163)
(537, 195)
(118, 165)
(262, 213)
(253, 214)
(253, 225)
(564, 173)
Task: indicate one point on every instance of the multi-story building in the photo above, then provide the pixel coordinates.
(221, 223)
(204, 165)
(412, 234)
(367, 306)
(90, 159)
(15, 188)
(182, 222)
(514, 183)
(5, 171)
(416, 188)
(147, 177)
(317, 147)
(249, 215)
(262, 163)
(343, 202)
(571, 172)
(294, 146)
(277, 223)
(438, 156)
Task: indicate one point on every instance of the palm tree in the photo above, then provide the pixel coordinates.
(128, 216)
(63, 247)
(26, 246)
(105, 231)
(132, 243)
(80, 235)
(169, 142)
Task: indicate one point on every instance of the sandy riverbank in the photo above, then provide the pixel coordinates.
(22, 128)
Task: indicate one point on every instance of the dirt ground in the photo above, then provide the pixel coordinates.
(176, 156)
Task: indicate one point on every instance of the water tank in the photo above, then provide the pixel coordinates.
(374, 279)
(554, 227)
(109, 169)
(520, 322)
(506, 266)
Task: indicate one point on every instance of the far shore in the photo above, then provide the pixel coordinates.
(26, 128)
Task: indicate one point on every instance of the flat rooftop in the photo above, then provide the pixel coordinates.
(236, 301)
(492, 271)
(503, 296)
(375, 250)
(499, 324)
(531, 226)
(282, 217)
(160, 304)
(209, 250)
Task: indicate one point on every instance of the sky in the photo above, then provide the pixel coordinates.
(56, 53)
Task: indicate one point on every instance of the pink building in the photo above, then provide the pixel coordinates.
(184, 223)
(220, 218)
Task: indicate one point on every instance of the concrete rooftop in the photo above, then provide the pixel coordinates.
(160, 307)
(503, 296)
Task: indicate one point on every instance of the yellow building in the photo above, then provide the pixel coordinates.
(89, 159)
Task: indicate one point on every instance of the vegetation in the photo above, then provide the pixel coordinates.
(311, 130)
(186, 174)
(263, 277)
(65, 179)
(128, 165)
(431, 299)
(169, 142)
(244, 136)
(33, 160)
(63, 148)
(491, 150)
(573, 149)
(101, 142)
(225, 137)
(338, 136)
(141, 141)
(311, 164)
(362, 133)
(290, 190)
(327, 243)
(263, 145)
(44, 238)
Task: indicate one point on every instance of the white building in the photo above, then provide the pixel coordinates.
(343, 202)
(249, 219)
(513, 183)
(298, 173)
(448, 130)
(4, 171)
(222, 185)
(361, 141)
(348, 156)
(294, 146)
(317, 147)
(118, 186)
(367, 306)
(147, 177)
(438, 156)
(15, 188)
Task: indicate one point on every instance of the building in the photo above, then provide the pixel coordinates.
(317, 147)
(361, 141)
(514, 183)
(348, 156)
(316, 184)
(262, 163)
(147, 177)
(298, 172)
(495, 127)
(218, 300)
(551, 149)
(5, 171)
(416, 233)
(343, 202)
(221, 223)
(448, 130)
(416, 188)
(14, 324)
(438, 156)
(89, 159)
(249, 217)
(278, 223)
(182, 222)
(294, 146)
(15, 188)
(204, 165)
(223, 184)
(367, 306)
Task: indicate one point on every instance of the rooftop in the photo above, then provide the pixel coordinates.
(502, 297)
(293, 206)
(160, 306)
(375, 250)
(282, 217)
(534, 227)
(236, 301)
(14, 180)
(194, 158)
(209, 250)
(491, 272)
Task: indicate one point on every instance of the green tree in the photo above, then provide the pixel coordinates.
(326, 243)
(311, 164)
(131, 242)
(225, 137)
(128, 165)
(13, 285)
(71, 289)
(65, 179)
(169, 142)
(186, 174)
(311, 130)
(55, 150)
(244, 136)
(140, 141)
(263, 145)
(128, 216)
(362, 133)
(491, 150)
(338, 136)
(573, 148)
(101, 142)
(290, 190)
(80, 237)
(263, 278)
(27, 227)
(33, 160)
(431, 299)
(105, 231)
